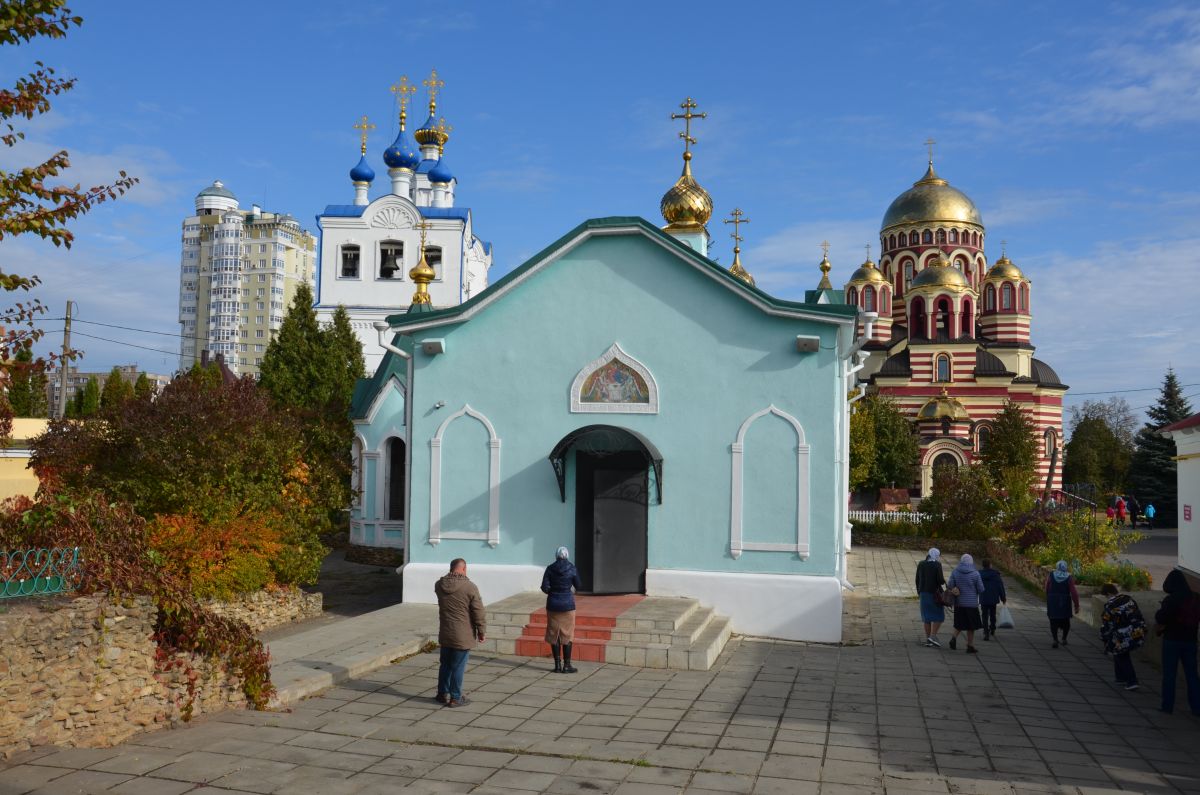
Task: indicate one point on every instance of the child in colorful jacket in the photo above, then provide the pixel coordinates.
(1123, 630)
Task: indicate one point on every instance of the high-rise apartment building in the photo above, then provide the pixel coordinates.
(239, 272)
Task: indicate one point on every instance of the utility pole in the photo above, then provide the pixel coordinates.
(62, 363)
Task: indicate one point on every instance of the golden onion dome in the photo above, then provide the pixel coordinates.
(825, 269)
(943, 407)
(686, 205)
(866, 273)
(931, 199)
(1005, 269)
(940, 274)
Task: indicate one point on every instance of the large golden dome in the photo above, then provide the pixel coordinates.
(686, 205)
(941, 274)
(931, 199)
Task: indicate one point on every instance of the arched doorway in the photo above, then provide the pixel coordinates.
(612, 497)
(943, 462)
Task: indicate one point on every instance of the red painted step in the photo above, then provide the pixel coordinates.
(595, 617)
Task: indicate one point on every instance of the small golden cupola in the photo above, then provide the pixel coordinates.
(686, 207)
(869, 290)
(944, 416)
(825, 267)
(422, 274)
(1005, 295)
(737, 219)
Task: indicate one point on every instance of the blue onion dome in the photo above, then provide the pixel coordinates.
(363, 171)
(440, 172)
(401, 153)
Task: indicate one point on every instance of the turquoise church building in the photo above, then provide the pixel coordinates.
(681, 431)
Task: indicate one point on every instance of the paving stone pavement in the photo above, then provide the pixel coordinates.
(886, 716)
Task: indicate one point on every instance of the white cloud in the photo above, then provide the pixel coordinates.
(785, 263)
(1118, 316)
(152, 166)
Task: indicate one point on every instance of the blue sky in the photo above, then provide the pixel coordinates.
(1073, 132)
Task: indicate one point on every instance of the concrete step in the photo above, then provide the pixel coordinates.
(651, 632)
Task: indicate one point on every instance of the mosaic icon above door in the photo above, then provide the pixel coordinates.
(616, 383)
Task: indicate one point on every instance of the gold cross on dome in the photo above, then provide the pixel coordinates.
(364, 126)
(825, 248)
(736, 218)
(930, 142)
(424, 226)
(443, 131)
(688, 106)
(434, 85)
(1004, 248)
(402, 90)
(868, 252)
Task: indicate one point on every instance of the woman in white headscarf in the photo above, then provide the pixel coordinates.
(929, 586)
(557, 583)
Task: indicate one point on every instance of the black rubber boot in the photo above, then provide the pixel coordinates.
(567, 667)
(556, 650)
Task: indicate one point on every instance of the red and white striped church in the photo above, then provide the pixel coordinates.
(952, 343)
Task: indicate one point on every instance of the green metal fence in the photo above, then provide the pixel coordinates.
(36, 572)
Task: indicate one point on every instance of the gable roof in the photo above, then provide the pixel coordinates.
(828, 313)
(366, 389)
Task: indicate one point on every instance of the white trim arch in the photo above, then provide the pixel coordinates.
(492, 536)
(614, 352)
(736, 543)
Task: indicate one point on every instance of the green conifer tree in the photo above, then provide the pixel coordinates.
(89, 398)
(143, 389)
(295, 368)
(1152, 476)
(116, 390)
(27, 385)
(1011, 456)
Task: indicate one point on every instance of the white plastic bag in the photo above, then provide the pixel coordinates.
(1004, 618)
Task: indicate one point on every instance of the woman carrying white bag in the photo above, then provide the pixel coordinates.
(993, 594)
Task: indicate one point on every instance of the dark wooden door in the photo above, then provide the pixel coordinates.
(610, 522)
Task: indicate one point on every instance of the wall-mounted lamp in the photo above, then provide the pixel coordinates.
(441, 404)
(434, 346)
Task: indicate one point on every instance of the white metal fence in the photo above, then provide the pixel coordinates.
(912, 517)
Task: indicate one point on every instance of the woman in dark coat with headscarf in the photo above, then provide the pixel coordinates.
(557, 584)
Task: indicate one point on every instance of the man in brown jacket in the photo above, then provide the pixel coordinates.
(461, 620)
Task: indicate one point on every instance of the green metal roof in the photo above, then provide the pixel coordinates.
(367, 388)
(835, 312)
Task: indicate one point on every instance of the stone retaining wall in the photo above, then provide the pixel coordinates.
(952, 545)
(83, 672)
(389, 557)
(262, 610)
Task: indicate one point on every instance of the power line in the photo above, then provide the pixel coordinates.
(1121, 391)
(130, 328)
(127, 344)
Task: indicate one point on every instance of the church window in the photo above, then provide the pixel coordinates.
(941, 236)
(943, 368)
(350, 256)
(885, 301)
(1006, 297)
(913, 239)
(982, 437)
(395, 480)
(891, 241)
(946, 425)
(433, 258)
(391, 260)
(869, 298)
(927, 237)
(989, 298)
(1051, 442)
(908, 275)
(953, 235)
(966, 317)
(1024, 298)
(852, 296)
(974, 238)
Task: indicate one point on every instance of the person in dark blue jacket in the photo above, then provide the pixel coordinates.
(557, 584)
(993, 594)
